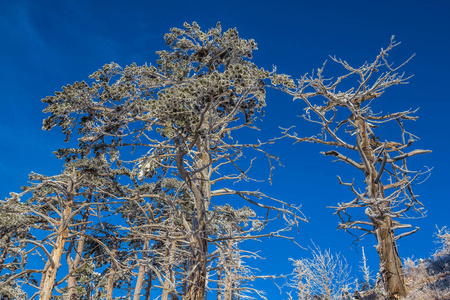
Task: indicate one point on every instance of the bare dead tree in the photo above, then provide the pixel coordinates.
(387, 193)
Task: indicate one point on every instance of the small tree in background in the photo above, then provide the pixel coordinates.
(430, 278)
(347, 122)
(14, 228)
(234, 276)
(323, 276)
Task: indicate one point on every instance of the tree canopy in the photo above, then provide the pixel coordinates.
(153, 148)
(165, 135)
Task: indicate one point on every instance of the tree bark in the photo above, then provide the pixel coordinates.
(149, 285)
(228, 288)
(49, 275)
(51, 267)
(168, 270)
(201, 189)
(197, 283)
(110, 288)
(141, 273)
(73, 265)
(219, 284)
(112, 272)
(390, 264)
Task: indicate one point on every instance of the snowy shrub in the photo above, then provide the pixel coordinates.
(430, 278)
(324, 276)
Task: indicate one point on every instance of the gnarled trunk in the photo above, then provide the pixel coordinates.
(390, 264)
(197, 280)
(201, 189)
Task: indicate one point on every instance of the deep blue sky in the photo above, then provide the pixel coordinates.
(48, 44)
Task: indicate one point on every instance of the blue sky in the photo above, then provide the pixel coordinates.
(48, 44)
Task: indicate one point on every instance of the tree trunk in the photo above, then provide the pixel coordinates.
(390, 264)
(148, 288)
(112, 273)
(50, 269)
(73, 265)
(197, 267)
(110, 288)
(197, 283)
(141, 273)
(201, 189)
(228, 288)
(72, 280)
(168, 270)
(219, 284)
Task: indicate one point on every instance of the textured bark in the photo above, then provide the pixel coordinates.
(148, 288)
(141, 273)
(110, 288)
(219, 285)
(201, 189)
(228, 292)
(73, 265)
(112, 274)
(390, 264)
(72, 280)
(49, 275)
(168, 270)
(197, 283)
(51, 267)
